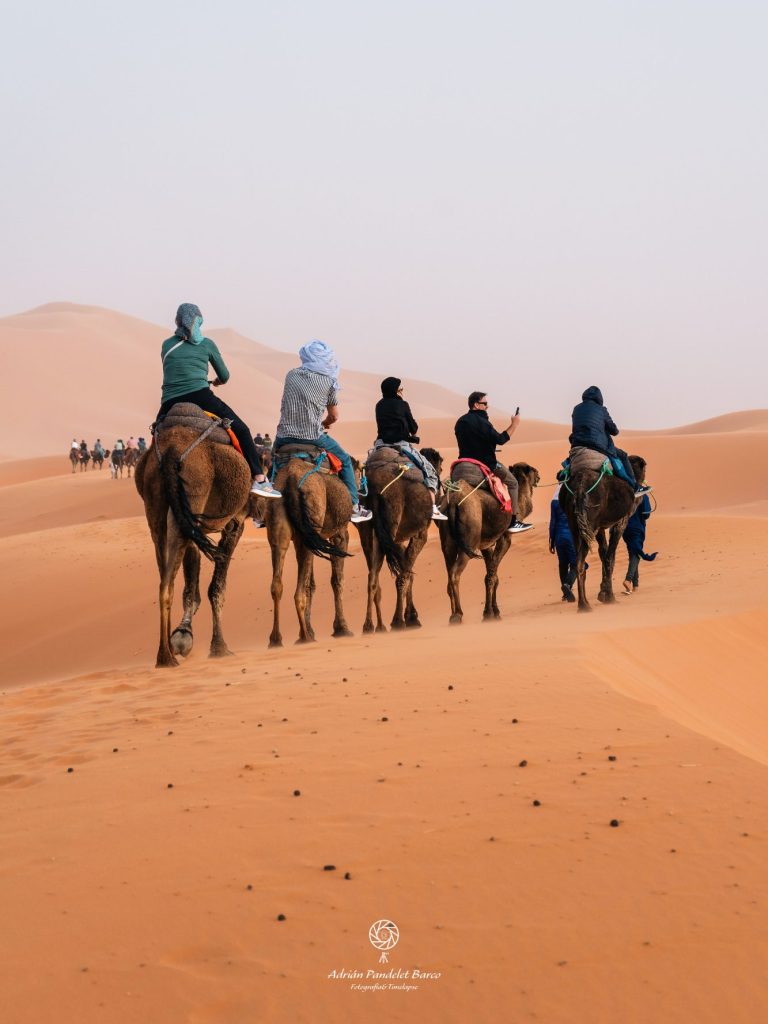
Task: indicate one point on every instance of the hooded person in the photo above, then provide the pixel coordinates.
(593, 428)
(186, 356)
(309, 406)
(397, 428)
(634, 533)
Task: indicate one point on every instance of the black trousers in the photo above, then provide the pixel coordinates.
(206, 399)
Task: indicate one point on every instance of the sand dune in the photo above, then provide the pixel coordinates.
(128, 900)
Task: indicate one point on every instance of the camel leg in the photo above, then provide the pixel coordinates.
(375, 558)
(401, 592)
(454, 578)
(498, 551)
(412, 552)
(279, 546)
(181, 637)
(380, 627)
(301, 595)
(582, 550)
(340, 627)
(605, 584)
(172, 557)
(311, 588)
(230, 535)
(608, 559)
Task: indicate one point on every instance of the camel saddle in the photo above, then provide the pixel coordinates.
(389, 457)
(310, 453)
(478, 475)
(587, 458)
(186, 414)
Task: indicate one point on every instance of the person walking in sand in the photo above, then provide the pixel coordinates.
(397, 428)
(634, 534)
(186, 356)
(310, 406)
(477, 439)
(561, 543)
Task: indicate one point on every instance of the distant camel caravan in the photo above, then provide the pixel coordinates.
(594, 500)
(192, 485)
(478, 526)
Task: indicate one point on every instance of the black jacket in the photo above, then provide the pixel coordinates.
(592, 424)
(394, 421)
(477, 438)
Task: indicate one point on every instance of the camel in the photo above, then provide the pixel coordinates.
(477, 521)
(74, 458)
(314, 514)
(402, 512)
(187, 495)
(117, 462)
(130, 460)
(594, 502)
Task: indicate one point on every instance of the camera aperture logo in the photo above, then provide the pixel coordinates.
(384, 935)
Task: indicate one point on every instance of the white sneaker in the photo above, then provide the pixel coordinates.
(520, 528)
(265, 489)
(437, 514)
(360, 514)
(259, 523)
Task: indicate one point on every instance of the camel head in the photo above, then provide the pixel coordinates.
(524, 473)
(638, 464)
(433, 455)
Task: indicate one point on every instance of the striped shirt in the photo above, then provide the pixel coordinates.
(305, 397)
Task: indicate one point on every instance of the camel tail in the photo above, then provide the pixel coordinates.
(382, 524)
(454, 526)
(581, 514)
(298, 515)
(178, 499)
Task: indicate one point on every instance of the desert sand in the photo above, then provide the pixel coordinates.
(151, 836)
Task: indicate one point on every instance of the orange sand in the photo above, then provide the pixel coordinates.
(125, 900)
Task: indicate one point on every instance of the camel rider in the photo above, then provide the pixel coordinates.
(142, 445)
(186, 355)
(397, 428)
(119, 446)
(309, 406)
(131, 442)
(99, 448)
(478, 439)
(592, 427)
(74, 446)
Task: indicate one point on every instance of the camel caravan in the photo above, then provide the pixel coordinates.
(203, 476)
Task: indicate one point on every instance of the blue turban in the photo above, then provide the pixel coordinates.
(188, 322)
(319, 358)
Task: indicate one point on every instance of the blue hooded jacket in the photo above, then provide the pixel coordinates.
(592, 426)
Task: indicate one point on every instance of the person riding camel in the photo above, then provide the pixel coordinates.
(477, 439)
(309, 406)
(397, 428)
(593, 428)
(119, 445)
(185, 356)
(99, 448)
(142, 445)
(131, 442)
(74, 446)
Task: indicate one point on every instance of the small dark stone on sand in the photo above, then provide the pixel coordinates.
(83, 969)
(170, 785)
(281, 917)
(347, 876)
(243, 670)
(70, 769)
(384, 718)
(492, 839)
(450, 686)
(170, 732)
(297, 792)
(114, 750)
(523, 764)
(537, 803)
(329, 867)
(514, 721)
(611, 757)
(227, 684)
(344, 679)
(249, 887)
(614, 822)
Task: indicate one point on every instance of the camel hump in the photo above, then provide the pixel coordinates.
(586, 458)
(191, 416)
(468, 472)
(385, 456)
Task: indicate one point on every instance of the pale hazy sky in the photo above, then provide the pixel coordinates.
(524, 197)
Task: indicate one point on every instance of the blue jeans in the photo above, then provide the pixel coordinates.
(347, 474)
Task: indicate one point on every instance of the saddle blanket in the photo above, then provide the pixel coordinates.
(587, 458)
(328, 462)
(474, 472)
(186, 414)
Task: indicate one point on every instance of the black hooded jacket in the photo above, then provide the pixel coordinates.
(592, 424)
(394, 421)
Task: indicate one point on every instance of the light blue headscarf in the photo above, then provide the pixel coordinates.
(319, 358)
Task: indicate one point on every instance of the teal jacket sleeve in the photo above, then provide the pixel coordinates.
(214, 357)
